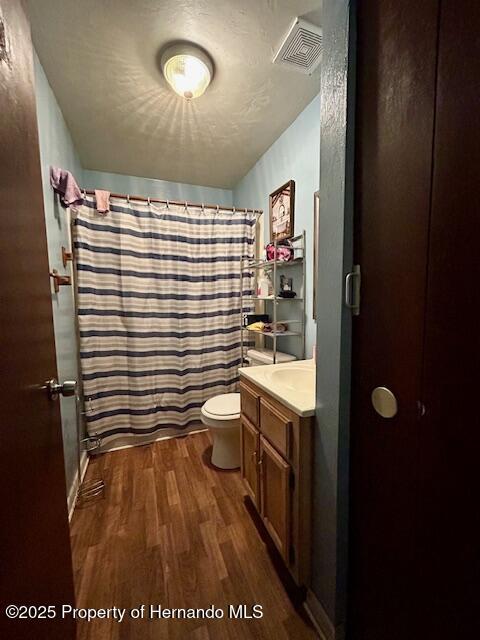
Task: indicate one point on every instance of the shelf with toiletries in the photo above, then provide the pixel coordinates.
(277, 299)
(267, 320)
(274, 333)
(272, 285)
(280, 328)
(269, 264)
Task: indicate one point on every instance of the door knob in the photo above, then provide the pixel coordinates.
(384, 402)
(66, 389)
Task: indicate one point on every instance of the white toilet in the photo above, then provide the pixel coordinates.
(221, 414)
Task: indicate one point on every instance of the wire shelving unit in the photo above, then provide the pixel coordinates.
(296, 325)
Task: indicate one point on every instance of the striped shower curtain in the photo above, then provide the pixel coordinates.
(158, 301)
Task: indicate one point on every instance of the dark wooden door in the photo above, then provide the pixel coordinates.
(414, 524)
(397, 52)
(34, 539)
(449, 434)
(275, 496)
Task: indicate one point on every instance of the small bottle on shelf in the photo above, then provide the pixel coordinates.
(264, 286)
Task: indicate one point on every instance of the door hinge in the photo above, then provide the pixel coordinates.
(352, 290)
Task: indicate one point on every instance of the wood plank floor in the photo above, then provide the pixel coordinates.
(174, 531)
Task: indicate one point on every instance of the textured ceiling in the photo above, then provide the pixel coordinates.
(101, 59)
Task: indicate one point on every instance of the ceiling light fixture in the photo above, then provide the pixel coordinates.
(187, 69)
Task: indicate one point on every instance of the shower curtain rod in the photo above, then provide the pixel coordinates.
(184, 203)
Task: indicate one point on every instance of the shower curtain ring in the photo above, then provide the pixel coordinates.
(203, 207)
(186, 205)
(128, 198)
(234, 210)
(148, 201)
(218, 208)
(168, 207)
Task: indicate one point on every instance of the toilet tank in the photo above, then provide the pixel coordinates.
(258, 357)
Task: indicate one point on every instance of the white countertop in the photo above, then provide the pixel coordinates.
(291, 383)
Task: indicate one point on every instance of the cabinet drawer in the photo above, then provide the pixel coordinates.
(275, 427)
(249, 403)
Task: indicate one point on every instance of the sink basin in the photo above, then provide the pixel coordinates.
(298, 379)
(291, 383)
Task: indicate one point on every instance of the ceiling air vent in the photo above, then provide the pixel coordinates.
(302, 48)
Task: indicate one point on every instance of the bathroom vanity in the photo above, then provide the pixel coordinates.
(277, 405)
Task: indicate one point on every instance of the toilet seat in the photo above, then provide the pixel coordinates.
(222, 408)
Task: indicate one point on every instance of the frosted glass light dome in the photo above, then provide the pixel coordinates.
(187, 69)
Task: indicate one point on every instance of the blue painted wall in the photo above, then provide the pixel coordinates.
(334, 321)
(57, 148)
(133, 185)
(294, 155)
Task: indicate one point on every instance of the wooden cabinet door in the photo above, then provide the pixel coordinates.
(275, 496)
(249, 460)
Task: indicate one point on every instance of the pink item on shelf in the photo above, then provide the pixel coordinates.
(284, 252)
(102, 199)
(66, 186)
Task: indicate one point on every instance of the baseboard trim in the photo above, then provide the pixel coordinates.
(320, 620)
(72, 494)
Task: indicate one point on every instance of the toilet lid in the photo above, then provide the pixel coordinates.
(226, 404)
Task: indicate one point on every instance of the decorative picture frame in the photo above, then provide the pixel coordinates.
(316, 247)
(282, 211)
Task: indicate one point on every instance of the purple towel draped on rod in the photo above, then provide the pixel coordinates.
(66, 186)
